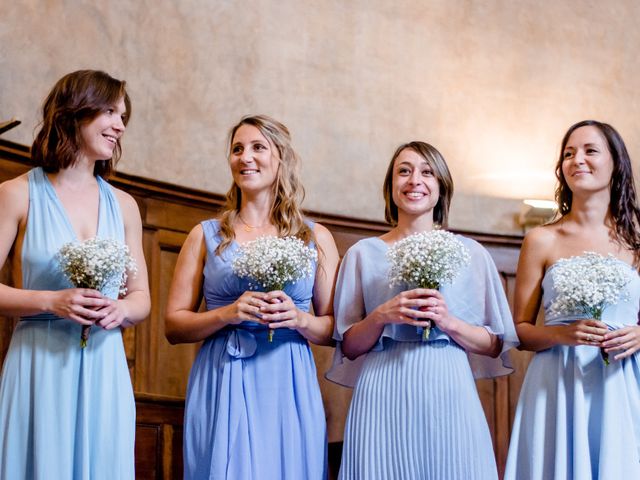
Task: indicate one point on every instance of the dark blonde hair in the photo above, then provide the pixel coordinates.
(76, 99)
(445, 183)
(623, 203)
(288, 191)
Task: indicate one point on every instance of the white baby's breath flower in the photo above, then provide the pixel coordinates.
(427, 259)
(272, 262)
(588, 283)
(97, 263)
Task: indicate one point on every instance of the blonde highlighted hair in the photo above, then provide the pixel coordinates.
(288, 191)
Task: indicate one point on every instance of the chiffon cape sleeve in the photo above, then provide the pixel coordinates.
(476, 296)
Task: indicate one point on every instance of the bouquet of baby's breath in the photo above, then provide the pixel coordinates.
(272, 262)
(426, 260)
(99, 264)
(587, 284)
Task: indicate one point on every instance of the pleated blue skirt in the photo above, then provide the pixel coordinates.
(416, 414)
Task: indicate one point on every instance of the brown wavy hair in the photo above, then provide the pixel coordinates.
(623, 203)
(76, 99)
(288, 191)
(445, 182)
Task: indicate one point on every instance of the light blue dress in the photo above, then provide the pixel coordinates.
(65, 412)
(253, 409)
(415, 412)
(577, 418)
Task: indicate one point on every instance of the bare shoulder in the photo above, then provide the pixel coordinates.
(323, 236)
(14, 196)
(539, 245)
(129, 209)
(542, 237)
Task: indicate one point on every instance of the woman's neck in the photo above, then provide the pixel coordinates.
(75, 177)
(590, 211)
(409, 225)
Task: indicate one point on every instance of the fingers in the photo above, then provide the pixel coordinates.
(80, 320)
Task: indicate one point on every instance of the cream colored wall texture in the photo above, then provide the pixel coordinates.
(492, 84)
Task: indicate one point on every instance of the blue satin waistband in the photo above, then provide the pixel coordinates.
(42, 317)
(242, 342)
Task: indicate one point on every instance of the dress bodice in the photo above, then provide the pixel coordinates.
(625, 312)
(49, 227)
(222, 286)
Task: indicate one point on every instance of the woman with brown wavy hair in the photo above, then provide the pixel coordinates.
(253, 406)
(66, 411)
(579, 417)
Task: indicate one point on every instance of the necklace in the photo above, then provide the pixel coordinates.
(250, 228)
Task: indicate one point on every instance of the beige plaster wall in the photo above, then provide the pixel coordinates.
(493, 84)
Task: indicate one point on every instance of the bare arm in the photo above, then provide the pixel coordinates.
(403, 308)
(528, 295)
(316, 327)
(183, 323)
(76, 304)
(472, 338)
(135, 305)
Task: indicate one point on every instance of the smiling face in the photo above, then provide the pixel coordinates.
(587, 164)
(254, 161)
(100, 135)
(415, 189)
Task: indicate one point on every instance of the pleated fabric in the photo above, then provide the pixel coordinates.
(576, 417)
(401, 426)
(253, 409)
(65, 412)
(415, 412)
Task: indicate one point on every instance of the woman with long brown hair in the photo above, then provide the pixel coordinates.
(253, 406)
(578, 416)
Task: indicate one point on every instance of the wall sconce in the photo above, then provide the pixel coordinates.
(536, 212)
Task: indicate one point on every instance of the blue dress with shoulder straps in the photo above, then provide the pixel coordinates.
(254, 409)
(65, 412)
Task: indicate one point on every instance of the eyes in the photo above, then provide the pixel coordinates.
(568, 154)
(406, 172)
(112, 111)
(257, 147)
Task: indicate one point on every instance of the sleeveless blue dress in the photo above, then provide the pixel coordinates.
(577, 418)
(415, 412)
(65, 412)
(253, 408)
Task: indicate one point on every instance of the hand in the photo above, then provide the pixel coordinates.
(437, 310)
(625, 340)
(114, 315)
(81, 305)
(281, 312)
(246, 308)
(405, 308)
(583, 332)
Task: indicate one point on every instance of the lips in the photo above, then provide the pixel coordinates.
(415, 195)
(111, 139)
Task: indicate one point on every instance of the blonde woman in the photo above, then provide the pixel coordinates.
(253, 407)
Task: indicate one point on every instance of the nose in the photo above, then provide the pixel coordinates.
(118, 124)
(415, 177)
